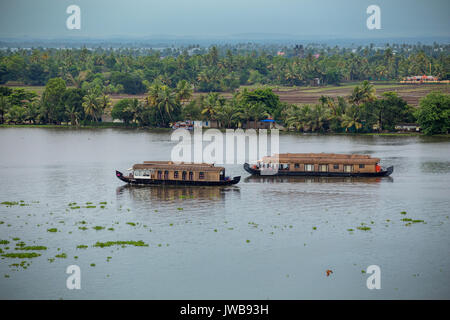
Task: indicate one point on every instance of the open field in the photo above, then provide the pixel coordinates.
(310, 95)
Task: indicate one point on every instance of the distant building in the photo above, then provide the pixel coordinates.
(407, 127)
(281, 53)
(422, 79)
(314, 82)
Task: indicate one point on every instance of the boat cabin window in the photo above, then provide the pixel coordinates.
(184, 175)
(323, 167)
(348, 168)
(335, 166)
(191, 176)
(201, 175)
(309, 167)
(175, 174)
(361, 166)
(297, 165)
(166, 175)
(159, 174)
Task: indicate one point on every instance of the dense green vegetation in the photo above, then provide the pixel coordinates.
(362, 111)
(78, 83)
(222, 68)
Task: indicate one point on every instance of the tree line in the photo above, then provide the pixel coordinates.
(219, 68)
(361, 111)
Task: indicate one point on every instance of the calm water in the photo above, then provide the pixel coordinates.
(262, 239)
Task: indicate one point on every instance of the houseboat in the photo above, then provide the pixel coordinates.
(171, 173)
(319, 164)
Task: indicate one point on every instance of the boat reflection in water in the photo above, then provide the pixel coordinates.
(299, 179)
(208, 194)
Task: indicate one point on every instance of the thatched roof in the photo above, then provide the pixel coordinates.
(324, 158)
(169, 165)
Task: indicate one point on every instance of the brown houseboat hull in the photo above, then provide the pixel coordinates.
(134, 181)
(382, 173)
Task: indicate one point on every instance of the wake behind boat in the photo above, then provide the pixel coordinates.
(319, 164)
(170, 173)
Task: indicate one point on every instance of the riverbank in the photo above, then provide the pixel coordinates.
(108, 125)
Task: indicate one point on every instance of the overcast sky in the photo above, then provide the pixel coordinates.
(221, 18)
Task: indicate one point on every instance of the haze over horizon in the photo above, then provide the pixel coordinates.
(46, 19)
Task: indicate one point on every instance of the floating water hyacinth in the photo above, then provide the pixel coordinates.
(21, 255)
(139, 243)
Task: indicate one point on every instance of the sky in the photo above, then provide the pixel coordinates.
(46, 19)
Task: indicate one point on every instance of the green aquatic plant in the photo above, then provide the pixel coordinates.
(111, 229)
(10, 203)
(61, 255)
(132, 224)
(314, 228)
(98, 228)
(363, 228)
(21, 255)
(180, 209)
(139, 243)
(82, 246)
(29, 248)
(52, 230)
(82, 228)
(350, 230)
(4, 241)
(406, 219)
(92, 264)
(90, 207)
(74, 208)
(403, 212)
(248, 241)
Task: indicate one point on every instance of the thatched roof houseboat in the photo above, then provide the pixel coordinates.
(171, 173)
(319, 164)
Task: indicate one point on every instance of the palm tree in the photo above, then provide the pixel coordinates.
(91, 104)
(351, 118)
(298, 117)
(135, 109)
(183, 91)
(212, 102)
(362, 94)
(166, 102)
(320, 117)
(73, 113)
(228, 114)
(258, 112)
